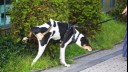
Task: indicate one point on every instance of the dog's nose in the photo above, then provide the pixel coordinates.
(89, 49)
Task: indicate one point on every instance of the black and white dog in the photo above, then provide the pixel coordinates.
(56, 30)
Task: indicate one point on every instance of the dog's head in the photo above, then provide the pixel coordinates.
(83, 42)
(37, 32)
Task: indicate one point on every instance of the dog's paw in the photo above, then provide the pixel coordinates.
(67, 65)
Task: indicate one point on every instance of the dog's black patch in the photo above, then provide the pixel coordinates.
(45, 39)
(37, 30)
(43, 29)
(54, 24)
(53, 33)
(49, 23)
(67, 36)
(62, 29)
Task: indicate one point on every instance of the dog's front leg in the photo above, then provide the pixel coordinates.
(62, 57)
(62, 52)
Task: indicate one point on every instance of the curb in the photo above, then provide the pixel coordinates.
(87, 54)
(74, 58)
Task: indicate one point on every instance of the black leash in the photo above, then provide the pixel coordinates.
(96, 23)
(106, 20)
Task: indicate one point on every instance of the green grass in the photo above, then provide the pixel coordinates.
(112, 32)
(16, 59)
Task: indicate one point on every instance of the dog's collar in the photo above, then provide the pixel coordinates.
(74, 40)
(74, 32)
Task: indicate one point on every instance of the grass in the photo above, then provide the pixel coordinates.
(14, 58)
(111, 33)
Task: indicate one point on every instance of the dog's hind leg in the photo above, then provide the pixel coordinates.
(40, 52)
(42, 45)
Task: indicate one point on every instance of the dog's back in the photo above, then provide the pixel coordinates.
(58, 29)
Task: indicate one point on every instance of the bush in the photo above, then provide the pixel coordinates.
(11, 51)
(27, 13)
(85, 12)
(5, 45)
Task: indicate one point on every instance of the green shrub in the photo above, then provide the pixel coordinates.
(27, 13)
(85, 12)
(11, 53)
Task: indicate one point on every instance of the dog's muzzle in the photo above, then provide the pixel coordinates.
(87, 47)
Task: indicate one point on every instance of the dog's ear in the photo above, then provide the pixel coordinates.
(84, 40)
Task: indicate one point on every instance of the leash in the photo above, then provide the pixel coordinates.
(76, 26)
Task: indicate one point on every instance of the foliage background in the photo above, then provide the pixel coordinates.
(86, 13)
(27, 13)
(117, 10)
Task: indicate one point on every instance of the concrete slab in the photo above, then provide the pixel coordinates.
(115, 64)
